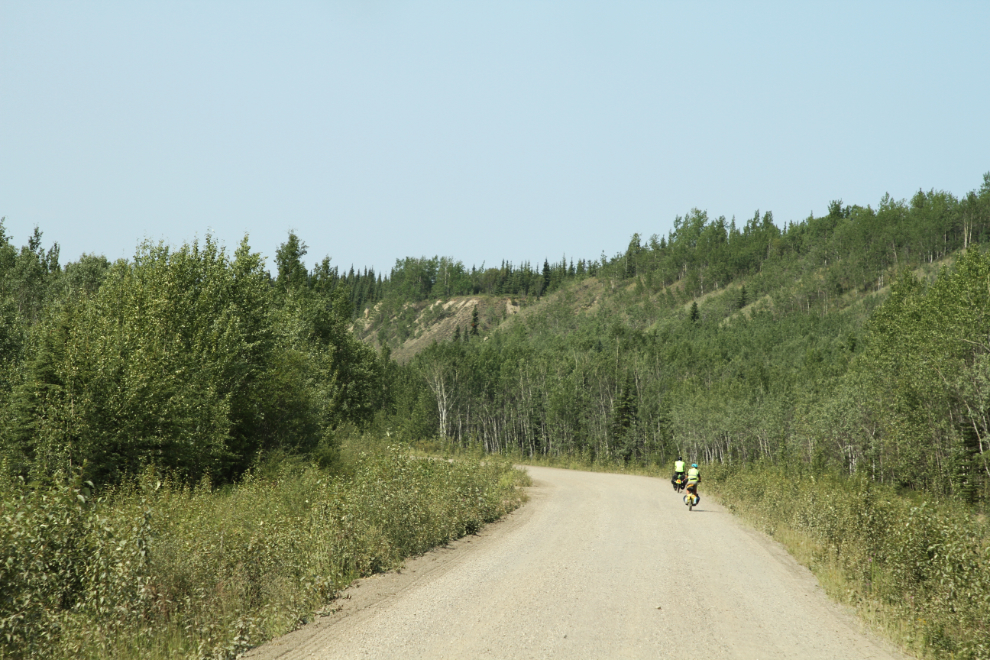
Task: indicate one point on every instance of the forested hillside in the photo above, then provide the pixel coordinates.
(855, 340)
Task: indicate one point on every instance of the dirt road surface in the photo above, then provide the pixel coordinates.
(593, 566)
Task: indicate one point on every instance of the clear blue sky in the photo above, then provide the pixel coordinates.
(484, 131)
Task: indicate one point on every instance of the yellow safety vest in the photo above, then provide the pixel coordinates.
(678, 466)
(694, 476)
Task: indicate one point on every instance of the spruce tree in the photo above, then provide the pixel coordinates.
(694, 312)
(288, 257)
(474, 321)
(546, 276)
(457, 334)
(743, 301)
(624, 417)
(626, 407)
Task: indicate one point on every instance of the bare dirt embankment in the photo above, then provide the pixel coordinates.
(594, 566)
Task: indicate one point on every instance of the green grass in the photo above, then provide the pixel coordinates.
(157, 570)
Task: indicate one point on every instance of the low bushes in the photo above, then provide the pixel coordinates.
(158, 570)
(918, 566)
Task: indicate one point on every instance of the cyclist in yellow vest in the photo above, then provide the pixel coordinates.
(678, 471)
(693, 479)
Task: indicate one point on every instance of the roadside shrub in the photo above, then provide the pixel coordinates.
(156, 569)
(922, 562)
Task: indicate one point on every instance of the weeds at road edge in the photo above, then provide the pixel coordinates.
(917, 569)
(157, 570)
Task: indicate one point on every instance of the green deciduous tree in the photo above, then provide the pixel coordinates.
(190, 360)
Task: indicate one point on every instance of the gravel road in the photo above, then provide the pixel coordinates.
(593, 566)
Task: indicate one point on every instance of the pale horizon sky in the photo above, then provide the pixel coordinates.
(482, 131)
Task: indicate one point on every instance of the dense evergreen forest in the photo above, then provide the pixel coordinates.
(856, 340)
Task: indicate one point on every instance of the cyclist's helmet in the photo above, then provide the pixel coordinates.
(679, 458)
(694, 465)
